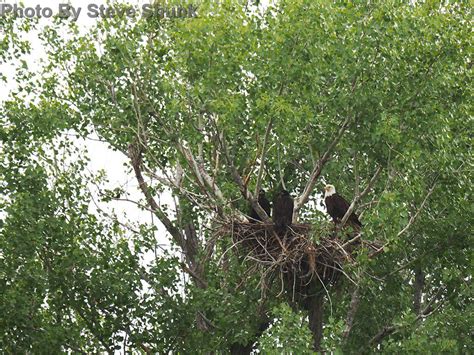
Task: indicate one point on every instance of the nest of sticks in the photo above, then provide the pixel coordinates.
(305, 259)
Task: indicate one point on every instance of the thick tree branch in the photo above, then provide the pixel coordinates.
(354, 305)
(188, 244)
(386, 331)
(135, 152)
(280, 172)
(200, 282)
(315, 318)
(356, 175)
(418, 289)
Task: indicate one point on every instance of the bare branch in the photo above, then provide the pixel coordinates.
(400, 268)
(217, 163)
(350, 241)
(201, 173)
(415, 216)
(363, 206)
(356, 175)
(304, 197)
(209, 324)
(262, 156)
(187, 245)
(357, 197)
(171, 183)
(198, 169)
(179, 173)
(200, 144)
(282, 180)
(135, 153)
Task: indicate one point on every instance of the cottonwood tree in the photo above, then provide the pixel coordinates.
(371, 97)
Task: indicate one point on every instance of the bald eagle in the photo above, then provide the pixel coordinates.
(282, 211)
(263, 202)
(337, 206)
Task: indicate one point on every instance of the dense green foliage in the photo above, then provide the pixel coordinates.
(203, 90)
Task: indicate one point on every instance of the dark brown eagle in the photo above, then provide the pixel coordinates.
(263, 202)
(282, 211)
(337, 206)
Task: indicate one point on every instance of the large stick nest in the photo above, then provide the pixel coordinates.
(305, 259)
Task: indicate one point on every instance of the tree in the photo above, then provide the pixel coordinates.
(373, 98)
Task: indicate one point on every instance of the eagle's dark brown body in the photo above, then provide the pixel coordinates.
(264, 203)
(282, 211)
(337, 207)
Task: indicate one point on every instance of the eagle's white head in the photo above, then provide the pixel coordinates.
(329, 190)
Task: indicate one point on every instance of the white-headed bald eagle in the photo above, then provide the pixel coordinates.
(337, 206)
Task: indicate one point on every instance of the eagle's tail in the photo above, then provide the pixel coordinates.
(355, 221)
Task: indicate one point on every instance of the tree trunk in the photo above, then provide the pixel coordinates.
(418, 289)
(239, 349)
(316, 312)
